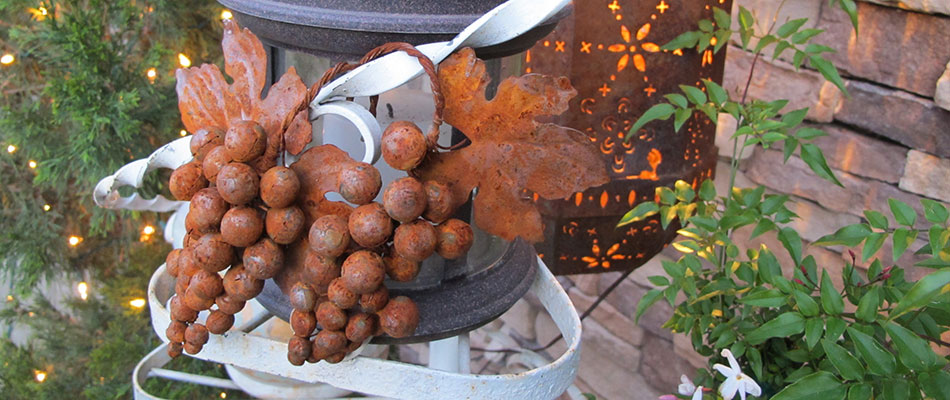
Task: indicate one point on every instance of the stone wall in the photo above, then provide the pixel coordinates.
(889, 138)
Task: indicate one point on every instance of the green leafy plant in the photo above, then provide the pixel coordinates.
(801, 335)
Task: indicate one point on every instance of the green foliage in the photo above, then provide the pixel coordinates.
(77, 100)
(89, 348)
(799, 335)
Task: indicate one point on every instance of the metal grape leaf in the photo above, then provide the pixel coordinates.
(319, 171)
(512, 157)
(207, 101)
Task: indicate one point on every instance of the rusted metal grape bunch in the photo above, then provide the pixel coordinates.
(243, 222)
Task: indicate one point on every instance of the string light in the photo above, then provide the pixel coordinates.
(74, 240)
(39, 13)
(46, 207)
(39, 376)
(147, 232)
(226, 14)
(11, 149)
(137, 303)
(83, 289)
(183, 133)
(31, 164)
(224, 395)
(183, 60)
(7, 59)
(151, 73)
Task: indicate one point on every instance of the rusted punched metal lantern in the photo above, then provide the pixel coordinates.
(453, 296)
(611, 51)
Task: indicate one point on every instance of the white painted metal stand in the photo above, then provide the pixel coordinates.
(257, 363)
(446, 378)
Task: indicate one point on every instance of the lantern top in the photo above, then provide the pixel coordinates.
(410, 16)
(345, 29)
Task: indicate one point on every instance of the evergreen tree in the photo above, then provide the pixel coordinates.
(87, 86)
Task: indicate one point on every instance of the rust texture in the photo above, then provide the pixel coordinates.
(513, 159)
(611, 52)
(207, 101)
(319, 171)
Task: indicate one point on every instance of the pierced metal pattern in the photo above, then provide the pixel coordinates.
(611, 52)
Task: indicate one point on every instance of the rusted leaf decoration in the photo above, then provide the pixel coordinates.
(206, 100)
(319, 171)
(512, 156)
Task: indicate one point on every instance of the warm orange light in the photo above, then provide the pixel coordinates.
(147, 232)
(183, 60)
(224, 395)
(226, 14)
(46, 207)
(83, 290)
(183, 133)
(39, 376)
(151, 73)
(74, 241)
(639, 63)
(643, 32)
(11, 149)
(9, 298)
(7, 59)
(31, 164)
(137, 303)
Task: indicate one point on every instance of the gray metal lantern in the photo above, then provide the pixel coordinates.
(313, 35)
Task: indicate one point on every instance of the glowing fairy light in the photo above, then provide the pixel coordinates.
(137, 303)
(226, 14)
(183, 133)
(151, 73)
(31, 164)
(47, 207)
(11, 149)
(147, 232)
(7, 59)
(83, 289)
(74, 240)
(39, 376)
(183, 60)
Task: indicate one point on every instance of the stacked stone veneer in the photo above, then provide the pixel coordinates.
(889, 138)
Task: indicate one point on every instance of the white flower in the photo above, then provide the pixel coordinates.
(698, 394)
(736, 381)
(686, 388)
